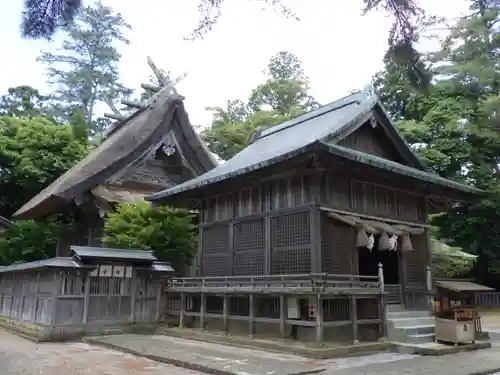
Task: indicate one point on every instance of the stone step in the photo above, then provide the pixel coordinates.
(408, 314)
(420, 338)
(413, 321)
(418, 329)
(395, 308)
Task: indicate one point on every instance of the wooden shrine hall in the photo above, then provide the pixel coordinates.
(151, 148)
(312, 229)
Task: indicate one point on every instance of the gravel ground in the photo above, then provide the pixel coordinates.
(19, 356)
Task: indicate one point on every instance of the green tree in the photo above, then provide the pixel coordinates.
(33, 153)
(85, 71)
(448, 261)
(30, 240)
(286, 88)
(169, 232)
(23, 101)
(454, 128)
(284, 95)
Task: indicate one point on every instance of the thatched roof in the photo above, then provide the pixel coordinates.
(131, 138)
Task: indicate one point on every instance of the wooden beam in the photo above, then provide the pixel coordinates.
(157, 72)
(133, 104)
(377, 218)
(150, 87)
(115, 116)
(110, 104)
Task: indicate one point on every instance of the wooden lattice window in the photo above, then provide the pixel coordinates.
(215, 251)
(290, 244)
(249, 248)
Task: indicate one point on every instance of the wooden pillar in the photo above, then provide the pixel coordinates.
(267, 245)
(319, 319)
(13, 294)
(24, 283)
(282, 316)
(225, 313)
(86, 297)
(56, 290)
(159, 295)
(133, 295)
(315, 230)
(231, 248)
(203, 309)
(354, 319)
(251, 315)
(37, 291)
(182, 310)
(428, 280)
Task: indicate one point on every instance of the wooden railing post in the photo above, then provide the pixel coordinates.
(428, 280)
(182, 310)
(383, 307)
(202, 305)
(225, 313)
(354, 320)
(319, 318)
(251, 309)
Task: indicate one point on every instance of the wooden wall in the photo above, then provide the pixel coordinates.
(267, 228)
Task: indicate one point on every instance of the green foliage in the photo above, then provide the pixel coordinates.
(449, 261)
(23, 101)
(168, 231)
(85, 71)
(29, 241)
(454, 126)
(33, 153)
(283, 96)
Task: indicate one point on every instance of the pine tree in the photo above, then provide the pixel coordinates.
(85, 71)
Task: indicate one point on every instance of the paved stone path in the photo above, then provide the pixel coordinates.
(233, 360)
(19, 356)
(223, 359)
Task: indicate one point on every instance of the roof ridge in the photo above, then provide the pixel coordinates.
(320, 111)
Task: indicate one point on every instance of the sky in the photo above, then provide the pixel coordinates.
(340, 49)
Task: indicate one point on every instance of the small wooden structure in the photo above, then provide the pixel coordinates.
(93, 288)
(455, 301)
(152, 148)
(300, 220)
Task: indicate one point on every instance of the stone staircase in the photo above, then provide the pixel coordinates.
(409, 326)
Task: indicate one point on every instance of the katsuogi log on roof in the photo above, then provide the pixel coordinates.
(154, 148)
(321, 131)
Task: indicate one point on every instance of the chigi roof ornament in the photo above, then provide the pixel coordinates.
(158, 93)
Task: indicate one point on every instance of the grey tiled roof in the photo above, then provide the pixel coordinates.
(108, 253)
(60, 262)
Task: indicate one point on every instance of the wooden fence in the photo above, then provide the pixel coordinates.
(487, 300)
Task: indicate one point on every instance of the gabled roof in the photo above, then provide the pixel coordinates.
(129, 140)
(309, 131)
